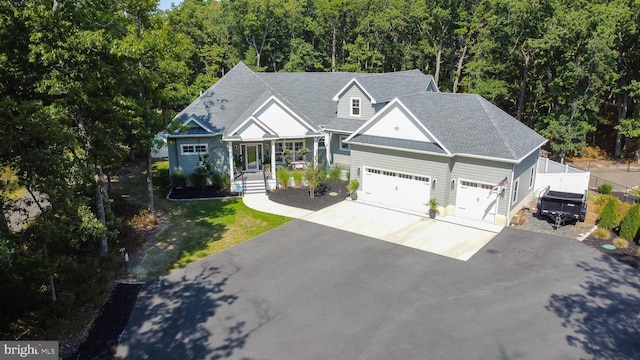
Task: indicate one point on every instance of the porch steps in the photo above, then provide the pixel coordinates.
(254, 187)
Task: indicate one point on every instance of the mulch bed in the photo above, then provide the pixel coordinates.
(209, 192)
(300, 198)
(102, 342)
(626, 256)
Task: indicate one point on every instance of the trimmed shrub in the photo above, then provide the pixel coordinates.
(297, 178)
(602, 233)
(630, 223)
(609, 216)
(620, 243)
(605, 188)
(283, 176)
(334, 173)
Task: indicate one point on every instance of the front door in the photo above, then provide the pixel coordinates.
(252, 155)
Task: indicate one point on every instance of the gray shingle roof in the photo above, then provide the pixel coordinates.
(465, 124)
(344, 124)
(223, 103)
(310, 95)
(397, 143)
(384, 87)
(470, 124)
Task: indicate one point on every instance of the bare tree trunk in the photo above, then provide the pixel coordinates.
(333, 49)
(436, 76)
(151, 205)
(523, 86)
(104, 246)
(4, 224)
(456, 80)
(623, 106)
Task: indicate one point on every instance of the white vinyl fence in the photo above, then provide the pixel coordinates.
(561, 177)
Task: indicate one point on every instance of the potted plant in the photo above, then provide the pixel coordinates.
(352, 187)
(433, 207)
(302, 152)
(287, 154)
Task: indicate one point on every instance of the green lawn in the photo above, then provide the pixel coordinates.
(192, 230)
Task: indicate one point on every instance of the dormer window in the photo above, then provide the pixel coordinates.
(355, 106)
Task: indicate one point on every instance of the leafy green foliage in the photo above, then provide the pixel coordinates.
(334, 173)
(283, 176)
(605, 188)
(609, 217)
(315, 176)
(630, 224)
(297, 178)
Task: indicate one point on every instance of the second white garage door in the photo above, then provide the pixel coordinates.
(396, 189)
(473, 201)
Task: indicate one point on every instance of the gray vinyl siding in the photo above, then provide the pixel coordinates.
(187, 163)
(339, 157)
(434, 167)
(344, 104)
(521, 171)
(482, 171)
(174, 160)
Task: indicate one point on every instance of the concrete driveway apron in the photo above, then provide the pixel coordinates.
(439, 236)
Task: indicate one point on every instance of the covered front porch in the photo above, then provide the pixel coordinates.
(262, 159)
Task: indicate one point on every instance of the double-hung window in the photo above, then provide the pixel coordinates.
(355, 106)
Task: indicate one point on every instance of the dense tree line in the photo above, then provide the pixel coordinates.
(84, 86)
(569, 69)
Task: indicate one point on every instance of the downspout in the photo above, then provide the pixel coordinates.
(509, 195)
(273, 160)
(327, 148)
(231, 164)
(315, 152)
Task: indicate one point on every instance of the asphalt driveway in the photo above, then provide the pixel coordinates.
(306, 291)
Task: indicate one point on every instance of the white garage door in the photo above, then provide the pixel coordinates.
(473, 201)
(395, 189)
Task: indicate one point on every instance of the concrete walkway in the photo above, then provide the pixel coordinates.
(447, 236)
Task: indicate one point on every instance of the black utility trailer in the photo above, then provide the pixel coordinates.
(562, 207)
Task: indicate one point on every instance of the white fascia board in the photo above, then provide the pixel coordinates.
(400, 149)
(336, 97)
(293, 113)
(257, 122)
(382, 112)
(490, 158)
(197, 123)
(532, 151)
(193, 135)
(328, 130)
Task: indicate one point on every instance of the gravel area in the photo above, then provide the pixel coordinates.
(535, 223)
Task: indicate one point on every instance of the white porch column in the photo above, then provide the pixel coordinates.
(327, 148)
(231, 162)
(315, 152)
(273, 159)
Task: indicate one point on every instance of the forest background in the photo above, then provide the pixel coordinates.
(86, 84)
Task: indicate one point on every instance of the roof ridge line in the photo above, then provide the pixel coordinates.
(483, 102)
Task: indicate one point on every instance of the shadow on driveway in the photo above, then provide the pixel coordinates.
(176, 318)
(604, 314)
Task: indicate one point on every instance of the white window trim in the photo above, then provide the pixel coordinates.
(531, 176)
(344, 146)
(194, 152)
(321, 143)
(359, 106)
(514, 193)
